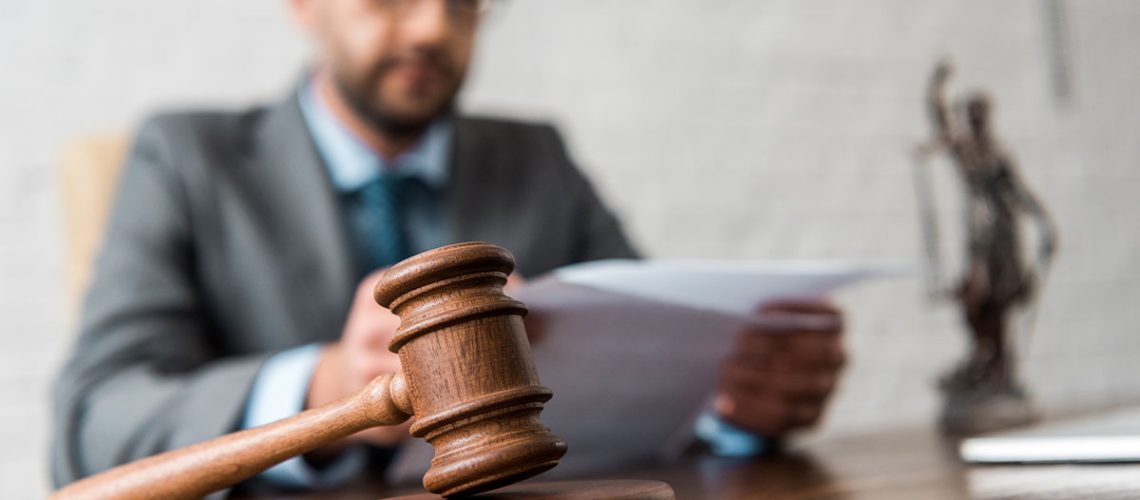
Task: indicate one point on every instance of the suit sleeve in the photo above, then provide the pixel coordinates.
(146, 374)
(599, 233)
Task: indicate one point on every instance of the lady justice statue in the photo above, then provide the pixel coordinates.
(982, 393)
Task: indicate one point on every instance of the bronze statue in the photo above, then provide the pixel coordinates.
(982, 393)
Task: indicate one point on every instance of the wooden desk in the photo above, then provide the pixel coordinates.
(904, 465)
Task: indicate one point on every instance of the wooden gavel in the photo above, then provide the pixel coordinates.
(468, 376)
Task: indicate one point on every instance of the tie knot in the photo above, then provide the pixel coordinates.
(394, 186)
(379, 218)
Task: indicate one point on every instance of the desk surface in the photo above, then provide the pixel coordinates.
(910, 464)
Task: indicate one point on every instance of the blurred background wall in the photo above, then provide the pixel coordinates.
(727, 129)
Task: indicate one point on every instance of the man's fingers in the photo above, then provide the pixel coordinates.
(370, 365)
(784, 322)
(384, 436)
(515, 281)
(367, 286)
(763, 417)
(816, 349)
(747, 380)
(790, 352)
(378, 326)
(806, 306)
(766, 415)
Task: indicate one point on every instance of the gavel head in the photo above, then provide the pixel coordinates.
(468, 368)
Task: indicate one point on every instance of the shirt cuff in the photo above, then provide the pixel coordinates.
(278, 392)
(727, 440)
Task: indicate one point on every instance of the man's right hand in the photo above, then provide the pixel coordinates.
(360, 355)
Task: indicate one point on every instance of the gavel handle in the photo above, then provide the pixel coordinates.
(203, 468)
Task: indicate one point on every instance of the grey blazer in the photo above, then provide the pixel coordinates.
(226, 244)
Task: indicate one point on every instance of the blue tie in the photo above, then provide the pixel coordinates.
(377, 220)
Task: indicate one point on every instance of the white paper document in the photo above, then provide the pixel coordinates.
(724, 286)
(632, 350)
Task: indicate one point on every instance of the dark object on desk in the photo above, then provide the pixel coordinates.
(611, 489)
(983, 393)
(468, 375)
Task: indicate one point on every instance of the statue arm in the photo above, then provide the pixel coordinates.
(1027, 201)
(936, 101)
(939, 116)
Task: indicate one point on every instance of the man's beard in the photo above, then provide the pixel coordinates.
(361, 96)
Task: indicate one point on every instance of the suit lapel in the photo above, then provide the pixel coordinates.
(302, 211)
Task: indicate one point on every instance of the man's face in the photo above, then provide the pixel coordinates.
(397, 63)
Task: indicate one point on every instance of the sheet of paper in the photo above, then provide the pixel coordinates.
(725, 286)
(632, 365)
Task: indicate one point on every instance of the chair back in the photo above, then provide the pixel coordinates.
(88, 177)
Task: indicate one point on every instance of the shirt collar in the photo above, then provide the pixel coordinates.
(352, 164)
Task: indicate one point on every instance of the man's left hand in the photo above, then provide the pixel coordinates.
(784, 368)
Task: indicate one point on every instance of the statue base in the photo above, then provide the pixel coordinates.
(978, 410)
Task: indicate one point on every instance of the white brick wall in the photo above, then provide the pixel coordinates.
(790, 119)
